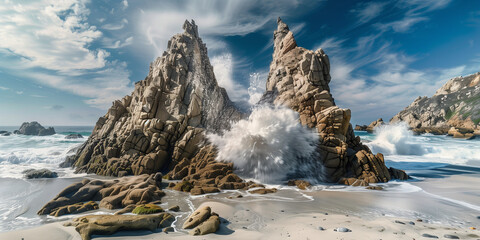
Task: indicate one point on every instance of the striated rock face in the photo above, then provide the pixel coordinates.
(35, 129)
(299, 78)
(456, 104)
(163, 121)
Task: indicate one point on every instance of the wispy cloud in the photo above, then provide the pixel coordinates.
(365, 12)
(56, 107)
(52, 43)
(4, 88)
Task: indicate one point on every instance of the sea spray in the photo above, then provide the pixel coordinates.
(395, 139)
(270, 145)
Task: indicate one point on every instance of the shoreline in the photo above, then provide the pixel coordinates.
(445, 204)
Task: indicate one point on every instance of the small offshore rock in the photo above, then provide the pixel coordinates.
(429, 235)
(39, 173)
(34, 129)
(321, 228)
(73, 136)
(342, 229)
(411, 223)
(450, 236)
(168, 229)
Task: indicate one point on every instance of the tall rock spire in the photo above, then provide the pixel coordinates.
(164, 118)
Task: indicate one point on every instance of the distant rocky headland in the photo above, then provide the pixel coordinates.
(454, 109)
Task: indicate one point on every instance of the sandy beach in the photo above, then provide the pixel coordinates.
(443, 206)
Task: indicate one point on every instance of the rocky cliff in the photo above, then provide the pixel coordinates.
(456, 104)
(299, 78)
(164, 118)
(161, 126)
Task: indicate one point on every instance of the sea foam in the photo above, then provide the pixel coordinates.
(270, 145)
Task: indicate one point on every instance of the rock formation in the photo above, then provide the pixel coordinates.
(203, 221)
(377, 123)
(161, 126)
(456, 104)
(112, 194)
(39, 173)
(109, 224)
(35, 129)
(299, 78)
(163, 121)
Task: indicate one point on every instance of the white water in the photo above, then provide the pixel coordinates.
(20, 152)
(20, 198)
(269, 145)
(398, 144)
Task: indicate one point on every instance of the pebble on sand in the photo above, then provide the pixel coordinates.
(450, 236)
(429, 235)
(342, 229)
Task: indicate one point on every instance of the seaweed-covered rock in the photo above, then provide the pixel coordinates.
(110, 224)
(112, 194)
(147, 209)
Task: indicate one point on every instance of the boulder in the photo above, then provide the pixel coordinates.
(197, 217)
(110, 224)
(112, 194)
(35, 129)
(203, 221)
(39, 173)
(73, 136)
(464, 133)
(5, 133)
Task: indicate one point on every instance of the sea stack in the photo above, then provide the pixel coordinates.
(161, 126)
(299, 78)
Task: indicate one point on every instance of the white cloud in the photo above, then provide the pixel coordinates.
(19, 92)
(368, 11)
(114, 27)
(215, 18)
(125, 4)
(51, 42)
(3, 88)
(223, 68)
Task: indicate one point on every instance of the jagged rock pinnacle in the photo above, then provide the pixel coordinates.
(190, 28)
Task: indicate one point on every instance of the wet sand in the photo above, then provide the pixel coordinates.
(446, 204)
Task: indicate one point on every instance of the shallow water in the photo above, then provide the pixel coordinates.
(20, 198)
(444, 188)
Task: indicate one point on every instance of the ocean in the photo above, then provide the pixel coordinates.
(426, 158)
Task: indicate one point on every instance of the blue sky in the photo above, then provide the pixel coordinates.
(64, 62)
